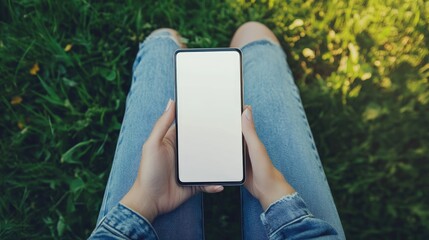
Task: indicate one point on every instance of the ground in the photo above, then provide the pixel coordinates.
(361, 66)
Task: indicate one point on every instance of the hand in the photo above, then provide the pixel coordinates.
(155, 190)
(263, 180)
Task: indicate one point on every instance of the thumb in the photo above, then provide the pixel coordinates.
(211, 189)
(164, 122)
(258, 154)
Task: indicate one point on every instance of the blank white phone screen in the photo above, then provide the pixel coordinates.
(209, 104)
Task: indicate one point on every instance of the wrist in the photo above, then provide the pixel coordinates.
(137, 201)
(275, 193)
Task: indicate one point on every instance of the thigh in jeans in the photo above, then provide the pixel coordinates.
(152, 86)
(282, 126)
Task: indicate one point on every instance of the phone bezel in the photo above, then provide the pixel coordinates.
(244, 147)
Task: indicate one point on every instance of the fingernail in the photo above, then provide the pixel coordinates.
(248, 114)
(168, 105)
(219, 188)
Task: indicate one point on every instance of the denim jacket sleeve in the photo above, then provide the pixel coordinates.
(289, 218)
(123, 223)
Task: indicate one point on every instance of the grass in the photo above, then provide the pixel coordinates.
(362, 68)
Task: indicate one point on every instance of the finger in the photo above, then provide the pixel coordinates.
(164, 122)
(212, 189)
(248, 126)
(249, 173)
(258, 154)
(171, 133)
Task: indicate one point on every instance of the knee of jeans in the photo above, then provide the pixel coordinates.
(161, 37)
(263, 49)
(266, 61)
(156, 47)
(263, 41)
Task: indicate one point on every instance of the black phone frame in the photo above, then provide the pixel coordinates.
(244, 146)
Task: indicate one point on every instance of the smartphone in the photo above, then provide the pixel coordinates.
(209, 102)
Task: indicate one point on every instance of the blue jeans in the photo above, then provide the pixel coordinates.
(280, 121)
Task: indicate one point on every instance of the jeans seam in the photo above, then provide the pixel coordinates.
(310, 135)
